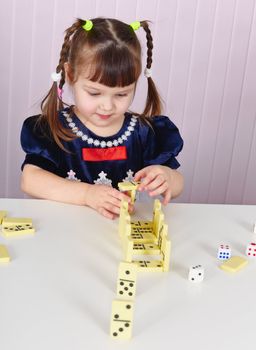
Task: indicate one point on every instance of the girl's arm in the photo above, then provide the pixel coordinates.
(160, 179)
(40, 183)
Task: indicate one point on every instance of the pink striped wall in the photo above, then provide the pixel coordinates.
(204, 65)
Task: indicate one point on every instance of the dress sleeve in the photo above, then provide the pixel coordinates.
(39, 148)
(161, 143)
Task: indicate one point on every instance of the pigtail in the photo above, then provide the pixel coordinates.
(153, 103)
(52, 103)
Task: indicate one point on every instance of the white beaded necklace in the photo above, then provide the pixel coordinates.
(96, 142)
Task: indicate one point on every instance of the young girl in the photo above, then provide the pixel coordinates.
(79, 153)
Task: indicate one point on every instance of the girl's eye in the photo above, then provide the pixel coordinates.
(93, 93)
(122, 95)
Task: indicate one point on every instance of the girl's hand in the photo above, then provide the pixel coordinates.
(157, 179)
(106, 200)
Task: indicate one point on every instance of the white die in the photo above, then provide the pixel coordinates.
(196, 273)
(224, 252)
(251, 250)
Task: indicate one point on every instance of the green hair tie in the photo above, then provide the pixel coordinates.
(135, 25)
(88, 25)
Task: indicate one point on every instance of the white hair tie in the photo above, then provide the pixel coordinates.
(148, 72)
(56, 76)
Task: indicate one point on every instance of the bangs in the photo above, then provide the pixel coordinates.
(114, 66)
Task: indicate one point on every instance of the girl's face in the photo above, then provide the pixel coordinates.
(100, 106)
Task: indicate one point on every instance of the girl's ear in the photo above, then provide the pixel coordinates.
(67, 70)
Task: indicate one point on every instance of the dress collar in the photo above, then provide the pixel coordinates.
(98, 141)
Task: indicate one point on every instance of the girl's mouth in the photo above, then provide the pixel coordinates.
(104, 116)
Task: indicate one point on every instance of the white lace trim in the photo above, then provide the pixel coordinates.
(96, 142)
(129, 177)
(102, 179)
(72, 176)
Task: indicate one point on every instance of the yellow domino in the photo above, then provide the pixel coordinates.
(166, 252)
(143, 237)
(124, 225)
(126, 281)
(130, 188)
(124, 217)
(146, 249)
(121, 319)
(141, 224)
(157, 206)
(145, 229)
(17, 230)
(158, 226)
(149, 265)
(165, 246)
(3, 214)
(10, 221)
(234, 264)
(128, 185)
(4, 255)
(127, 248)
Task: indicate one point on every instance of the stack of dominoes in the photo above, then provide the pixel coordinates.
(145, 238)
(139, 238)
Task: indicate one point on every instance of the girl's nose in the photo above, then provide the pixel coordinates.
(107, 104)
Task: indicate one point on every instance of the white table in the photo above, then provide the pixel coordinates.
(57, 291)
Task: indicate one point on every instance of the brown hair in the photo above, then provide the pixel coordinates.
(112, 52)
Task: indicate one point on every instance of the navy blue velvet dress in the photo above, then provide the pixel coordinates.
(102, 160)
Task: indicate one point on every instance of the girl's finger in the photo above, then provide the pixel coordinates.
(120, 195)
(106, 214)
(140, 174)
(114, 201)
(115, 209)
(131, 208)
(147, 180)
(167, 197)
(157, 182)
(160, 190)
